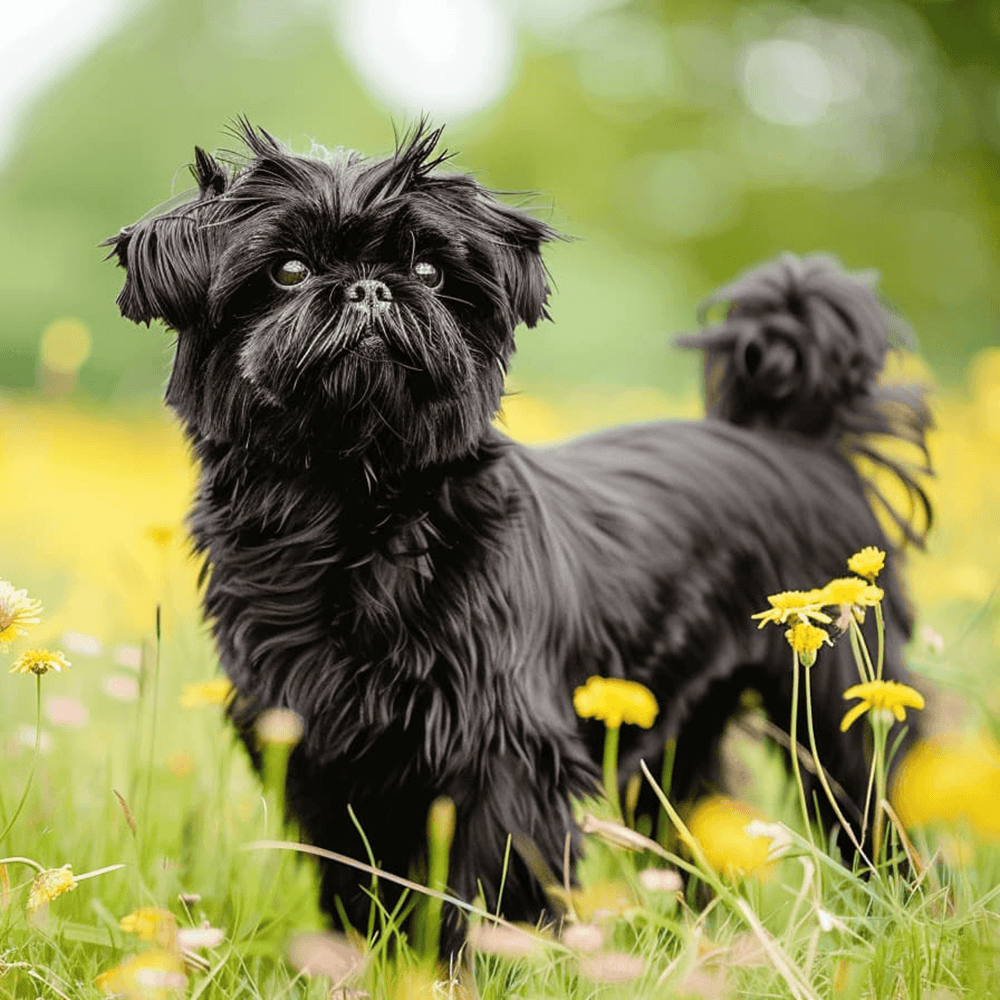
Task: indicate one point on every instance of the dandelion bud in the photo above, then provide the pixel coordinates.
(660, 880)
(441, 821)
(440, 832)
(586, 938)
(205, 936)
(323, 953)
(632, 788)
(806, 639)
(279, 727)
(612, 967)
(504, 939)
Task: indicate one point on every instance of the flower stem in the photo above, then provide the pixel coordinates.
(865, 669)
(152, 726)
(611, 768)
(793, 737)
(663, 825)
(880, 626)
(34, 757)
(821, 773)
(22, 861)
(880, 730)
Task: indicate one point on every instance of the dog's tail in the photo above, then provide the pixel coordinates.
(801, 349)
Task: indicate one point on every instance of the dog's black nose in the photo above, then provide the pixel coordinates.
(369, 294)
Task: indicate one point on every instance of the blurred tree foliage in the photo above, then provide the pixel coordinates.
(680, 142)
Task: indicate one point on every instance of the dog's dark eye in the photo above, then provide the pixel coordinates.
(430, 274)
(291, 272)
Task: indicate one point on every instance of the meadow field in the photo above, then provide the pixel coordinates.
(121, 767)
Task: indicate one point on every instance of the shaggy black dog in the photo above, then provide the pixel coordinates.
(426, 593)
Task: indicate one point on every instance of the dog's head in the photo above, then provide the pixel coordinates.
(337, 304)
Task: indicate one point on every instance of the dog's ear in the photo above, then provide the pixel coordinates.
(167, 257)
(212, 179)
(519, 237)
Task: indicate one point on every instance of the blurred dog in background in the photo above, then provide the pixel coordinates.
(427, 593)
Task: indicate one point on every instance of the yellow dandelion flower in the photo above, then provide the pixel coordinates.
(867, 563)
(600, 900)
(615, 701)
(885, 696)
(150, 923)
(17, 612)
(48, 884)
(852, 595)
(416, 982)
(951, 779)
(853, 592)
(181, 765)
(719, 824)
(806, 640)
(160, 534)
(217, 691)
(150, 975)
(40, 662)
(799, 604)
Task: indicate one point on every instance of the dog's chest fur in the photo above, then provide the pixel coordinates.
(382, 615)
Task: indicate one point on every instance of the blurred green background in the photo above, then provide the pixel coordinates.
(678, 142)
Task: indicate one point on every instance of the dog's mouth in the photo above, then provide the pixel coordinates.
(371, 344)
(372, 333)
(370, 337)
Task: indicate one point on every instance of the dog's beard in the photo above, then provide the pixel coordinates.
(404, 380)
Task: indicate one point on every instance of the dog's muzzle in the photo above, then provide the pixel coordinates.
(372, 299)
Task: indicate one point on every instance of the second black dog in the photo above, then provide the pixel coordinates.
(426, 593)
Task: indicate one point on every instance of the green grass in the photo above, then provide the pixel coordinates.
(811, 928)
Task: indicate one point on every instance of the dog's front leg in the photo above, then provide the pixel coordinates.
(513, 822)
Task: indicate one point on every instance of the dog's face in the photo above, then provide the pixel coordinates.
(337, 305)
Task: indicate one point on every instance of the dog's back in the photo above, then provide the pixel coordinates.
(668, 536)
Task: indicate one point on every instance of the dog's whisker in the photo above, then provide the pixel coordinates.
(456, 299)
(321, 334)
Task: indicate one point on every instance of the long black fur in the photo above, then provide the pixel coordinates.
(426, 593)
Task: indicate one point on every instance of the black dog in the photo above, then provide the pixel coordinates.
(426, 593)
